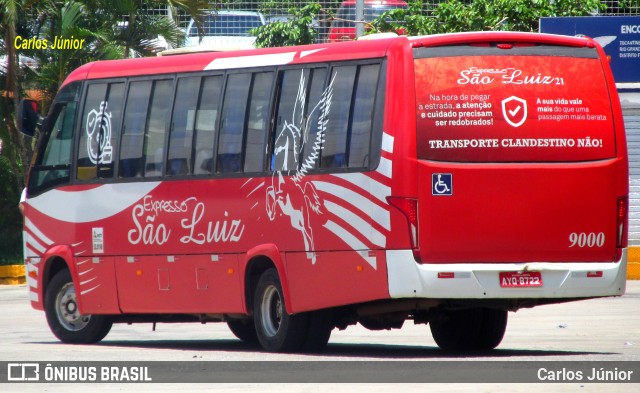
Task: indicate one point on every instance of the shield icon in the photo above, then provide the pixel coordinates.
(514, 110)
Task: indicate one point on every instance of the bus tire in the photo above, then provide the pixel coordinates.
(319, 331)
(277, 331)
(64, 318)
(244, 329)
(477, 329)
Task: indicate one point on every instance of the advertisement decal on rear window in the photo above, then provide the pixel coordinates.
(512, 109)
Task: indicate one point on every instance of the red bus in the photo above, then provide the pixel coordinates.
(443, 179)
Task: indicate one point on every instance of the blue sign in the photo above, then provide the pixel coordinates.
(618, 35)
(442, 184)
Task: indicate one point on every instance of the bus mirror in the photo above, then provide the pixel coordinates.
(28, 117)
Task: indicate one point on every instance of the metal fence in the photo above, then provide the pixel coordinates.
(336, 13)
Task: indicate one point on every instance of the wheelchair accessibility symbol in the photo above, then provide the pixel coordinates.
(442, 184)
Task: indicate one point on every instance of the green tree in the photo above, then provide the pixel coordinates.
(139, 31)
(480, 15)
(110, 29)
(14, 151)
(298, 30)
(10, 219)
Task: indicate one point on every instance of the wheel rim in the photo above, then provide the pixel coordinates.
(271, 311)
(67, 309)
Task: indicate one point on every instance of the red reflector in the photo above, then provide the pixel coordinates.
(621, 227)
(595, 274)
(446, 275)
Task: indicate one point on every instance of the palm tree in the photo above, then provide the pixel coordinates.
(110, 29)
(13, 142)
(138, 30)
(13, 150)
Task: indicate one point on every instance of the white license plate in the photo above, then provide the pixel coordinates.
(520, 279)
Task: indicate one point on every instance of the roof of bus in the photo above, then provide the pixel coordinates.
(350, 50)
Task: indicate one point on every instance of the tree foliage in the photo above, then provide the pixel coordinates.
(109, 29)
(10, 220)
(297, 30)
(480, 15)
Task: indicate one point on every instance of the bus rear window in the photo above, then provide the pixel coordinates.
(530, 104)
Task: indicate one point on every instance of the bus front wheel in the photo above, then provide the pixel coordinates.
(63, 315)
(277, 331)
(479, 329)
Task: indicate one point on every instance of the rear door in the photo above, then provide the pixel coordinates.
(517, 153)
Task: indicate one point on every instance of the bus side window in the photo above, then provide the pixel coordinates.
(92, 127)
(314, 110)
(53, 166)
(133, 129)
(184, 116)
(362, 121)
(115, 100)
(154, 138)
(206, 122)
(289, 119)
(234, 108)
(100, 131)
(58, 151)
(334, 152)
(258, 122)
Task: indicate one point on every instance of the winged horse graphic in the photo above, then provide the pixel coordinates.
(294, 196)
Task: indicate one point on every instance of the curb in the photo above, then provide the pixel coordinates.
(12, 275)
(633, 263)
(15, 275)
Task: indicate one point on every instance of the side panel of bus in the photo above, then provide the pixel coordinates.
(178, 244)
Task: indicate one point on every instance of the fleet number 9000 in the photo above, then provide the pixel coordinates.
(586, 239)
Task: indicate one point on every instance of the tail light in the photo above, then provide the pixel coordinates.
(505, 46)
(622, 212)
(409, 208)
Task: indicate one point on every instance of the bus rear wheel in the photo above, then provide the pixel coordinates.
(478, 329)
(244, 329)
(63, 315)
(277, 331)
(319, 331)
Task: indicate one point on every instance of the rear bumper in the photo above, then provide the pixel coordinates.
(408, 279)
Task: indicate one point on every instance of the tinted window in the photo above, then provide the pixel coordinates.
(289, 119)
(58, 151)
(335, 147)
(135, 116)
(315, 119)
(362, 121)
(229, 157)
(100, 130)
(54, 164)
(92, 129)
(206, 123)
(53, 160)
(183, 123)
(258, 122)
(157, 127)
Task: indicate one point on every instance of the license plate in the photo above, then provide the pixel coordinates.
(520, 279)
